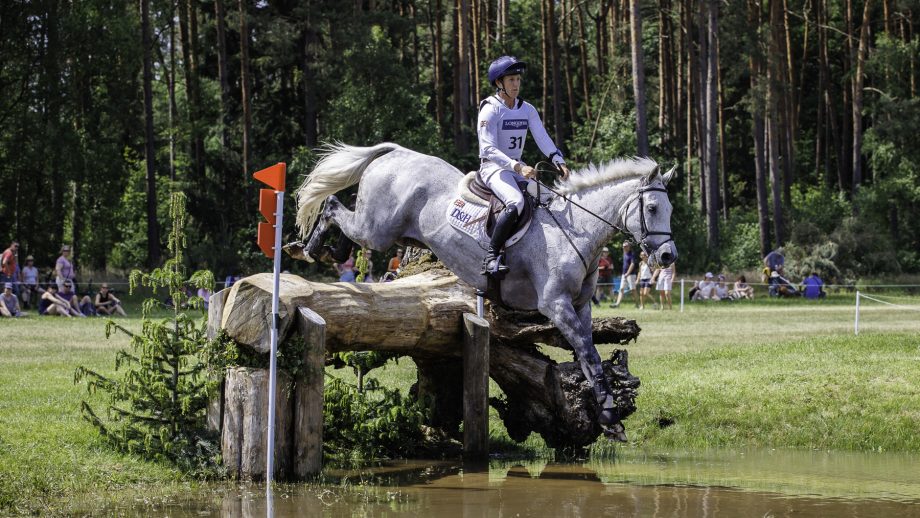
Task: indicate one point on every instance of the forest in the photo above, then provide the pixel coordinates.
(791, 121)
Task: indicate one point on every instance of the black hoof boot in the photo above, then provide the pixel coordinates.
(615, 431)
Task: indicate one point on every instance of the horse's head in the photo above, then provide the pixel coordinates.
(647, 216)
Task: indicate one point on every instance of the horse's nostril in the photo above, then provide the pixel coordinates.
(666, 258)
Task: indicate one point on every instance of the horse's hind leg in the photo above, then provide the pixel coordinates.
(371, 232)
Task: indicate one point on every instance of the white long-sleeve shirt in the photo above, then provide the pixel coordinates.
(503, 131)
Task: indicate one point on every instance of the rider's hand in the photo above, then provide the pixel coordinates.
(528, 172)
(565, 171)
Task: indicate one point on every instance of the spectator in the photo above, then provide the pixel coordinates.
(665, 281)
(205, 295)
(52, 304)
(346, 270)
(9, 303)
(63, 268)
(705, 288)
(721, 290)
(814, 287)
(369, 275)
(781, 287)
(29, 279)
(106, 303)
(395, 262)
(630, 272)
(604, 277)
(645, 279)
(775, 260)
(8, 266)
(742, 290)
(82, 306)
(231, 280)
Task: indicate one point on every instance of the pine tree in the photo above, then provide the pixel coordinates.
(157, 407)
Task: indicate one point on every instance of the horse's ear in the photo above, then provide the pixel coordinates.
(667, 177)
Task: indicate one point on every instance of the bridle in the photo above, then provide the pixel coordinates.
(644, 232)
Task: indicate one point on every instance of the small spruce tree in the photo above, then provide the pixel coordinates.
(157, 407)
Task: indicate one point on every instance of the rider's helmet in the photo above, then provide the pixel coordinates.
(505, 66)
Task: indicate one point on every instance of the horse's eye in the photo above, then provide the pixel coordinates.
(652, 208)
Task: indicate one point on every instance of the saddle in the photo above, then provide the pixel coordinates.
(474, 190)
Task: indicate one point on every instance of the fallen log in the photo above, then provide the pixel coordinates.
(421, 317)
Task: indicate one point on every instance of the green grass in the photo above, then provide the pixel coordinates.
(767, 373)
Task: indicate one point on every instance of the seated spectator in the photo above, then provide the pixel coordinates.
(742, 290)
(83, 306)
(9, 303)
(29, 287)
(231, 280)
(52, 304)
(106, 303)
(395, 262)
(720, 292)
(781, 287)
(705, 289)
(813, 287)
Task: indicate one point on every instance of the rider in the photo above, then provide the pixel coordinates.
(504, 119)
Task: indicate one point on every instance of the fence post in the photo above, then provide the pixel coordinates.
(681, 295)
(308, 396)
(856, 322)
(475, 387)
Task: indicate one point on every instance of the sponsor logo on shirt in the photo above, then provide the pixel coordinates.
(514, 124)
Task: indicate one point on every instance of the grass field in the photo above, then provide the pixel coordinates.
(767, 373)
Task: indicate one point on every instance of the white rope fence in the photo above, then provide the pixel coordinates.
(860, 295)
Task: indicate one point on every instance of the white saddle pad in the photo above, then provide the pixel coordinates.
(470, 218)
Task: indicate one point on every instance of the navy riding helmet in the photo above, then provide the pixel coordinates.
(505, 66)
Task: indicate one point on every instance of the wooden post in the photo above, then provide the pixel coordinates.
(308, 396)
(475, 387)
(215, 313)
(246, 423)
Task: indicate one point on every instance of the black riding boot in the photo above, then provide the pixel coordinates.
(504, 227)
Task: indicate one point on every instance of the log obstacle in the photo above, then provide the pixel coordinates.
(430, 318)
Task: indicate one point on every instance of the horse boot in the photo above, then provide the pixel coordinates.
(343, 248)
(504, 227)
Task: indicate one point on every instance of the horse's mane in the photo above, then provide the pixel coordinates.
(610, 171)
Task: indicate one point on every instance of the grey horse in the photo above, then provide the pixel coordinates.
(402, 198)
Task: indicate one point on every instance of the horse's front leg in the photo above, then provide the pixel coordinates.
(576, 327)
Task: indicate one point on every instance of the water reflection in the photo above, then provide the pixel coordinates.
(635, 484)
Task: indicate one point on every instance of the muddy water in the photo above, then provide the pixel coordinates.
(758, 483)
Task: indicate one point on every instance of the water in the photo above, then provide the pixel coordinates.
(722, 483)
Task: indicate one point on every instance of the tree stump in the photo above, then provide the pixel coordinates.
(243, 441)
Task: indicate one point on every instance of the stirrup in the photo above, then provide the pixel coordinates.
(493, 265)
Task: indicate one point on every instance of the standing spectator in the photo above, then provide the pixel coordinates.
(205, 295)
(29, 278)
(645, 280)
(8, 266)
(395, 261)
(231, 280)
(665, 281)
(742, 290)
(346, 270)
(814, 287)
(106, 303)
(604, 276)
(630, 272)
(63, 268)
(83, 306)
(9, 303)
(52, 304)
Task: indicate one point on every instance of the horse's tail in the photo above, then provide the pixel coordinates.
(341, 166)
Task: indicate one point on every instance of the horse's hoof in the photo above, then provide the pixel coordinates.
(614, 432)
(296, 251)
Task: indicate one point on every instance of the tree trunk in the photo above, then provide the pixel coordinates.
(185, 40)
(755, 20)
(553, 43)
(245, 87)
(153, 229)
(711, 131)
(583, 56)
(222, 74)
(638, 73)
(858, 96)
(461, 75)
(436, 37)
(171, 92)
